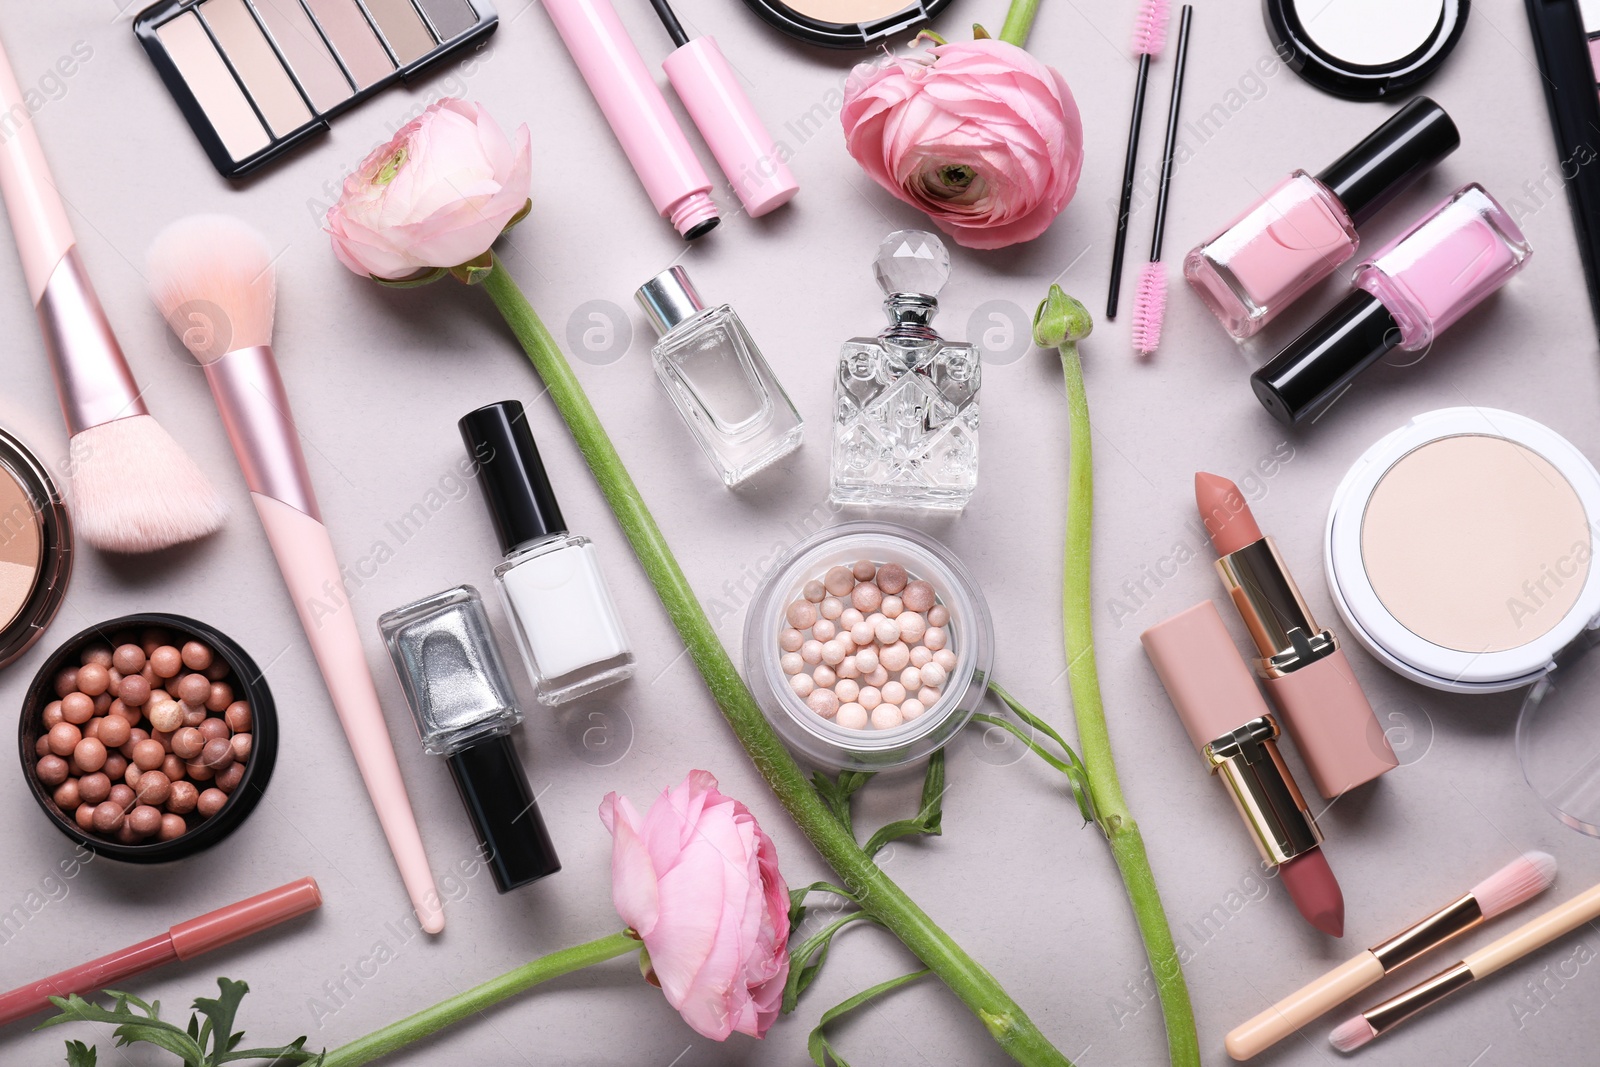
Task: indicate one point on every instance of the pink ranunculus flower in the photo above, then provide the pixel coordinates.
(436, 196)
(978, 134)
(697, 879)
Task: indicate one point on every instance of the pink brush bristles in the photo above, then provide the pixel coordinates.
(1517, 882)
(1150, 28)
(1352, 1034)
(1149, 308)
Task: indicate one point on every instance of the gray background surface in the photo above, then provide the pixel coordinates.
(378, 379)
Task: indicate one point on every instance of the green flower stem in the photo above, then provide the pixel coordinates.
(448, 1012)
(876, 892)
(1127, 845)
(1019, 20)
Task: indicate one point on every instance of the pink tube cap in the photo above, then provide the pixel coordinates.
(746, 152)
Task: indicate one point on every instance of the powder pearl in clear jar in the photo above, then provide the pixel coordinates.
(872, 731)
(852, 716)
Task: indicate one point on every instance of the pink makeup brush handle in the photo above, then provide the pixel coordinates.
(38, 219)
(310, 569)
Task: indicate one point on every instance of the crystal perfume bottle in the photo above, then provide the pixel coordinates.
(718, 379)
(905, 412)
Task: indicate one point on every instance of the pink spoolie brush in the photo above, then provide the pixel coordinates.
(1150, 306)
(1149, 37)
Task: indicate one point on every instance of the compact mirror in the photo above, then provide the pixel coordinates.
(1365, 49)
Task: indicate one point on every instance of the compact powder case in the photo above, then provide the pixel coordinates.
(1460, 549)
(258, 78)
(1365, 49)
(35, 549)
(846, 23)
(1461, 553)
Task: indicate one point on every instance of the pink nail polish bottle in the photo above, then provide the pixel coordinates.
(1412, 289)
(1305, 227)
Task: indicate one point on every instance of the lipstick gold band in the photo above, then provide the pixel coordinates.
(1399, 1008)
(1428, 934)
(1265, 793)
(1280, 623)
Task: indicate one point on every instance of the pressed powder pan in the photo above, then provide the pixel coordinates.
(846, 23)
(35, 548)
(1365, 49)
(1461, 553)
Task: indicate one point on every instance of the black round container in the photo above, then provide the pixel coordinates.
(248, 684)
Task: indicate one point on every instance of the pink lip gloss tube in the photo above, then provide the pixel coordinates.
(1305, 227)
(632, 103)
(1406, 294)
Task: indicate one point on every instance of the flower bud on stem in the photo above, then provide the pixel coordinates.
(1061, 322)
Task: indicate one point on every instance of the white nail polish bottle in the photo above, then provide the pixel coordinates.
(567, 626)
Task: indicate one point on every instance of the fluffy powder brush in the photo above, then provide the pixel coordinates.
(133, 489)
(213, 279)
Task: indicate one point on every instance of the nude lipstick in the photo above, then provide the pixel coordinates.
(1306, 671)
(1237, 735)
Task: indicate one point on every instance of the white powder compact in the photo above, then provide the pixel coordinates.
(1460, 552)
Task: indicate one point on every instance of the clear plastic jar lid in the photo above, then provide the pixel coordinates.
(971, 630)
(1558, 737)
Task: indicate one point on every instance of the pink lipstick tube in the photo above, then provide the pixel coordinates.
(1307, 672)
(1232, 728)
(632, 103)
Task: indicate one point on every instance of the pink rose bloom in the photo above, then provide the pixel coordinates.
(978, 134)
(698, 880)
(436, 196)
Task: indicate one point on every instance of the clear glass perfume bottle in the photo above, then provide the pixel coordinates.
(718, 379)
(905, 413)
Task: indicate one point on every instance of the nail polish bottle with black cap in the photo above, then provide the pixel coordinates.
(1305, 228)
(568, 629)
(455, 683)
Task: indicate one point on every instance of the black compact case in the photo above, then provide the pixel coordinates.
(449, 39)
(863, 34)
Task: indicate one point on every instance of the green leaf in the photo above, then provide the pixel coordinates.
(837, 794)
(474, 270)
(145, 1025)
(797, 899)
(519, 216)
(415, 281)
(930, 812)
(824, 1054)
(293, 1053)
(80, 1055)
(979, 33)
(811, 955)
(1070, 765)
(219, 1013)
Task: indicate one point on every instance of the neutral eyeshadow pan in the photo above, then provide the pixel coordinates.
(449, 17)
(352, 37)
(305, 51)
(257, 64)
(208, 77)
(407, 34)
(1476, 543)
